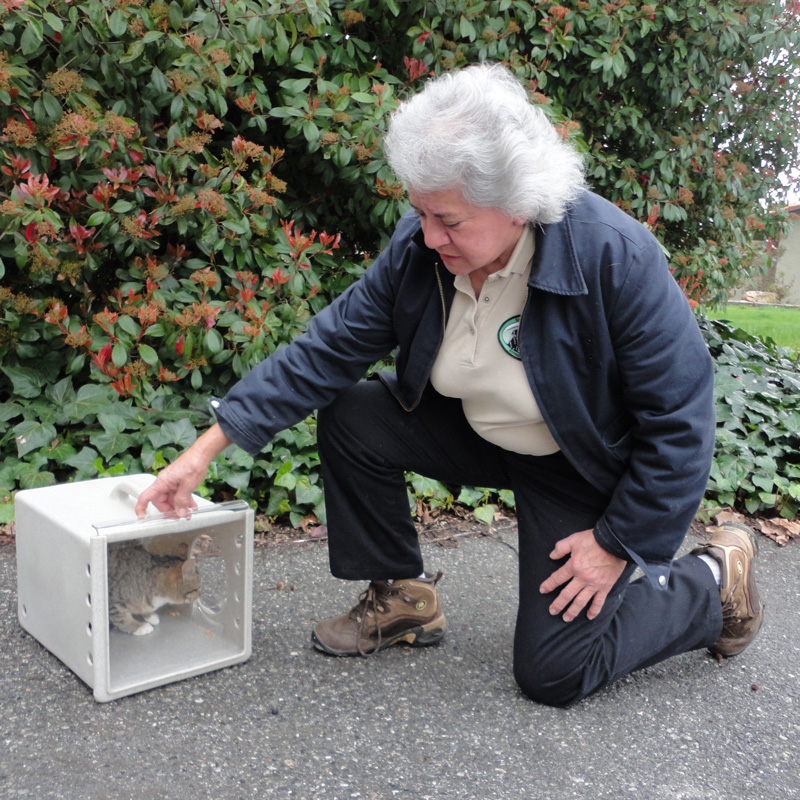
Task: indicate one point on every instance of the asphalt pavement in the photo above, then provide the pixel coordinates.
(436, 723)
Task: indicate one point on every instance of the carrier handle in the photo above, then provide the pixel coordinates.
(125, 491)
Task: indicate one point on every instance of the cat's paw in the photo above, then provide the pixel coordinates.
(152, 619)
(143, 629)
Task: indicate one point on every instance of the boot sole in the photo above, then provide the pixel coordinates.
(423, 636)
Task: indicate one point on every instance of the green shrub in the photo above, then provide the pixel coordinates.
(757, 455)
(149, 258)
(182, 184)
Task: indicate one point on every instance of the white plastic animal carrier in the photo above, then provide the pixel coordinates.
(63, 534)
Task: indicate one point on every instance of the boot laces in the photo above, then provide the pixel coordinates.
(373, 600)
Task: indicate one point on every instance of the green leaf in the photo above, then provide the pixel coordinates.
(284, 476)
(469, 496)
(148, 355)
(296, 85)
(60, 451)
(9, 410)
(129, 325)
(32, 435)
(112, 444)
(32, 478)
(98, 218)
(119, 355)
(6, 512)
(307, 493)
(90, 400)
(310, 131)
(156, 330)
(118, 23)
(27, 383)
(84, 461)
(281, 42)
(112, 423)
(485, 513)
(176, 107)
(53, 21)
(467, 29)
(176, 18)
(763, 482)
(32, 36)
(213, 341)
(792, 423)
(61, 393)
(180, 432)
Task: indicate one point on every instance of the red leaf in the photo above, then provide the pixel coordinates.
(103, 356)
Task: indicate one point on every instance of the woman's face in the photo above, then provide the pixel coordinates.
(469, 239)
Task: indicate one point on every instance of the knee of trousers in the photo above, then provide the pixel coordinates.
(543, 680)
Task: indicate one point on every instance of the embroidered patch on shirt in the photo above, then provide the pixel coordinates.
(508, 335)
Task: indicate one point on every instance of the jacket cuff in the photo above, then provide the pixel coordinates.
(235, 434)
(656, 572)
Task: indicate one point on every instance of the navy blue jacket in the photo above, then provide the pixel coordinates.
(611, 348)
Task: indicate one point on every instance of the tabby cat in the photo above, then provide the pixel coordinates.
(139, 583)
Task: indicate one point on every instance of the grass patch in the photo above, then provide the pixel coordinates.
(782, 325)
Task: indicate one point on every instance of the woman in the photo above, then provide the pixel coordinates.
(541, 346)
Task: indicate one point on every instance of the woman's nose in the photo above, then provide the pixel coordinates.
(435, 234)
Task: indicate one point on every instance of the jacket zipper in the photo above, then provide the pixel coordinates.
(441, 297)
(444, 328)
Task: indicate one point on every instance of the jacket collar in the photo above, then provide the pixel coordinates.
(556, 267)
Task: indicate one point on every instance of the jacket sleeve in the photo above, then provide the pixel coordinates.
(667, 379)
(341, 343)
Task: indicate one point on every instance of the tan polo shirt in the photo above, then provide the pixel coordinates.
(479, 359)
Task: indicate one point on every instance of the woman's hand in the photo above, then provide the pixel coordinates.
(589, 575)
(172, 490)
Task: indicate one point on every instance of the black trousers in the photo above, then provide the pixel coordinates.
(367, 442)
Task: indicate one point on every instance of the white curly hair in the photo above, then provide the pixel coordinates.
(475, 130)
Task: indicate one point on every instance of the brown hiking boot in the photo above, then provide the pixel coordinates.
(407, 610)
(734, 547)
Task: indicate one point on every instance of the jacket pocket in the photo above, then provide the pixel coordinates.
(618, 438)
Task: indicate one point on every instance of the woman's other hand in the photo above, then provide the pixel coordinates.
(587, 577)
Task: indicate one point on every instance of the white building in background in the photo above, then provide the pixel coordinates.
(787, 268)
(781, 283)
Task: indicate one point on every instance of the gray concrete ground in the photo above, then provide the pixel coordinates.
(444, 722)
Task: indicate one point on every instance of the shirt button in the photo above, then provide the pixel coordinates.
(486, 299)
(662, 581)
